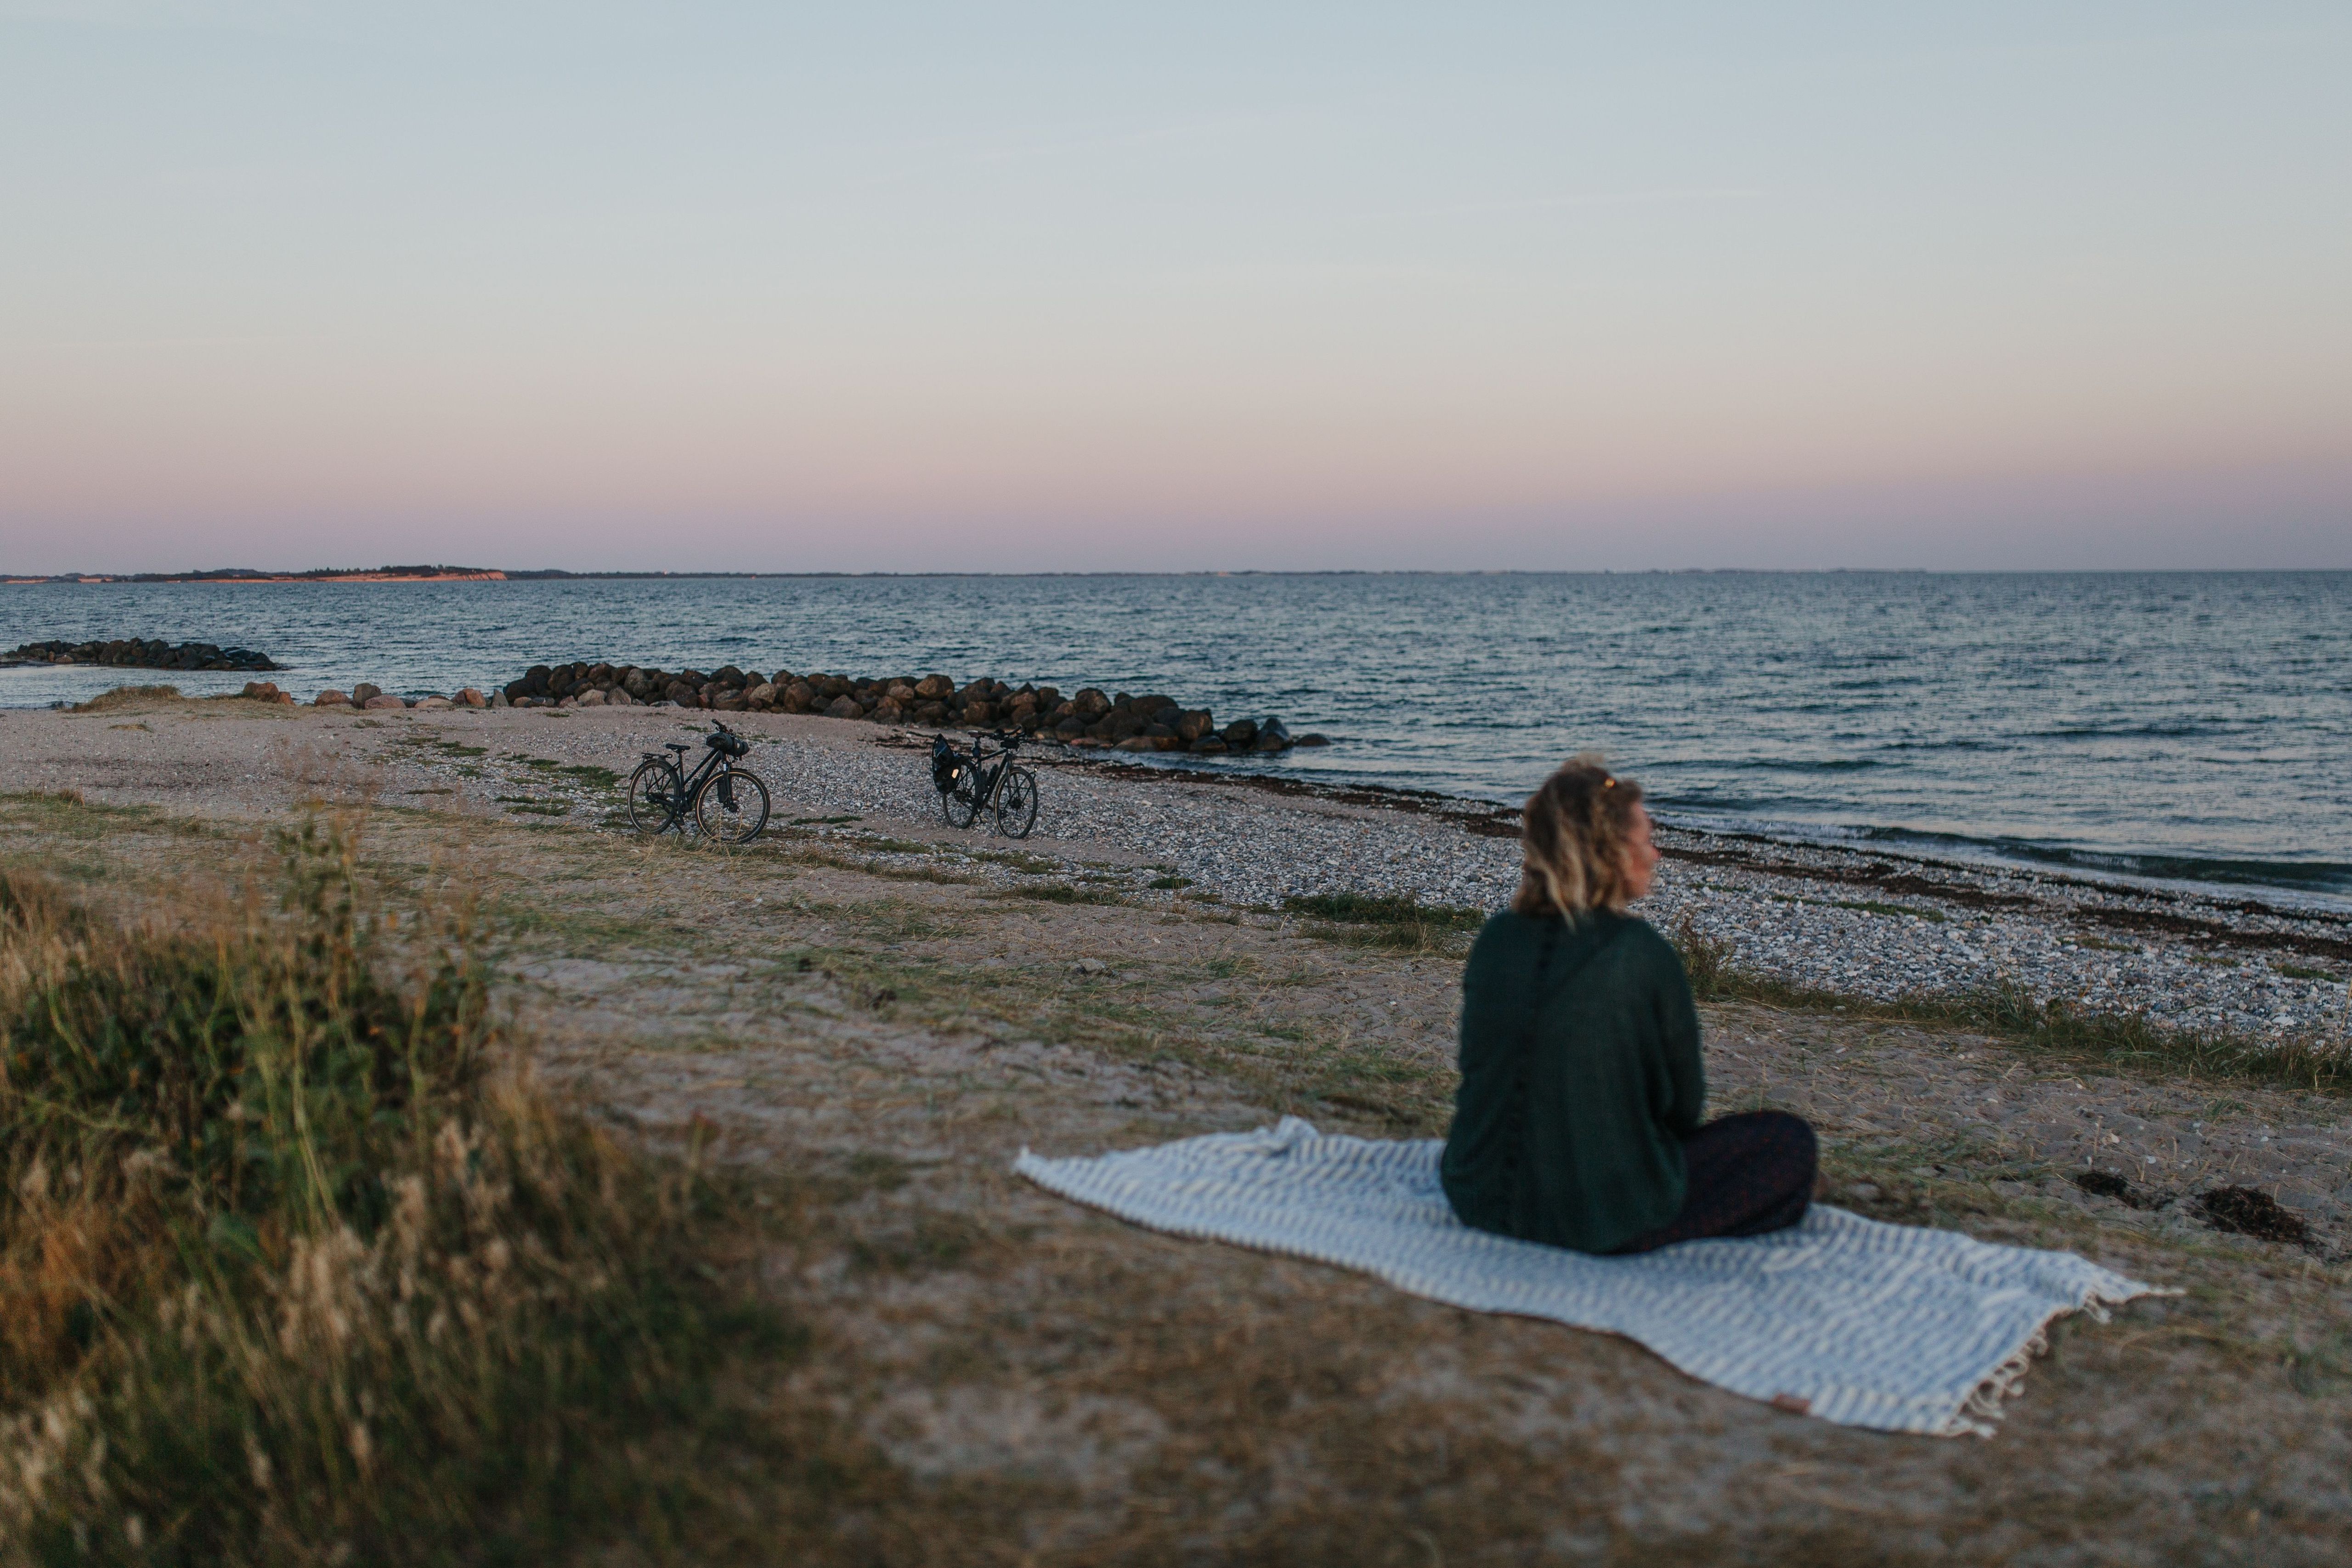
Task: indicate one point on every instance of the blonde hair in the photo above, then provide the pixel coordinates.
(1572, 837)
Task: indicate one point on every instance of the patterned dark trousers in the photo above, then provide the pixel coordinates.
(1747, 1174)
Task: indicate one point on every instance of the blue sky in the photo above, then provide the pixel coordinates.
(888, 287)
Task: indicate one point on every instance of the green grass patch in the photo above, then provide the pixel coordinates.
(882, 845)
(1061, 893)
(1380, 908)
(1021, 862)
(1385, 920)
(2304, 972)
(2120, 1042)
(1169, 884)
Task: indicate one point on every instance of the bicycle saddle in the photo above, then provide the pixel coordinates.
(676, 747)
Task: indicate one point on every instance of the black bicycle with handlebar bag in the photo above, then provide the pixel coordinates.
(726, 801)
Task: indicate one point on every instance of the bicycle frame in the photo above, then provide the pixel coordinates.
(713, 761)
(989, 777)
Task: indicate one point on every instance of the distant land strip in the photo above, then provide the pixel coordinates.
(372, 574)
(494, 575)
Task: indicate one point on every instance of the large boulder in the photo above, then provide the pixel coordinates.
(364, 693)
(433, 702)
(1208, 746)
(1240, 734)
(384, 699)
(844, 707)
(331, 697)
(589, 697)
(1191, 725)
(1090, 704)
(761, 697)
(800, 697)
(887, 710)
(471, 697)
(1271, 737)
(934, 686)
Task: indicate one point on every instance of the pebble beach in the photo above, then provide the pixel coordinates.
(1868, 923)
(1872, 924)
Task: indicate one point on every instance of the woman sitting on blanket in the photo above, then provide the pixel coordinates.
(1577, 1118)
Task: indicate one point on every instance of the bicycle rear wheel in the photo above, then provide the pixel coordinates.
(652, 798)
(731, 807)
(961, 804)
(1017, 803)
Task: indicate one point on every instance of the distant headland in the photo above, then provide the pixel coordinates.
(352, 574)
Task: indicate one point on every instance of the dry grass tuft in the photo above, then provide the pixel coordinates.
(128, 697)
(295, 1266)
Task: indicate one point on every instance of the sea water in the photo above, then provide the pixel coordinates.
(2182, 726)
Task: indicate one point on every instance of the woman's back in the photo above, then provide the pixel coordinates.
(1581, 1075)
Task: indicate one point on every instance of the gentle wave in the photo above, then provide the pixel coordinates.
(2174, 726)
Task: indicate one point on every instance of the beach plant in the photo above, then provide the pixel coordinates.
(1386, 920)
(297, 1266)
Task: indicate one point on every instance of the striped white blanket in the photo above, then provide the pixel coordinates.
(1886, 1326)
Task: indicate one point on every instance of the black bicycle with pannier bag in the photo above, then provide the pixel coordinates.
(967, 782)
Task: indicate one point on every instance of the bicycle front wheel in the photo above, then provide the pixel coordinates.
(731, 807)
(652, 798)
(1017, 803)
(961, 804)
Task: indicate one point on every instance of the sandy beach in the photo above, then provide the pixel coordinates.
(877, 1011)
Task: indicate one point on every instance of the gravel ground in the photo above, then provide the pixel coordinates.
(1868, 923)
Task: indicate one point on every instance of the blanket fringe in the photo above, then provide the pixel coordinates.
(1982, 1407)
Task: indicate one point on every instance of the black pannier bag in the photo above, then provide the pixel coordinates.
(946, 765)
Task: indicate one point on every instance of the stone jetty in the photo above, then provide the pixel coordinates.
(142, 653)
(1089, 717)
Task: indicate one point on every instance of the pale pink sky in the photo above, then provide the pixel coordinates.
(699, 287)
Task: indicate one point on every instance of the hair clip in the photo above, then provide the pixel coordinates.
(1608, 784)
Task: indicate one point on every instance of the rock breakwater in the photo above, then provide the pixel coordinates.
(1088, 717)
(142, 653)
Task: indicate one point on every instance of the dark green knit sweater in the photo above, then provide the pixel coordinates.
(1575, 1092)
